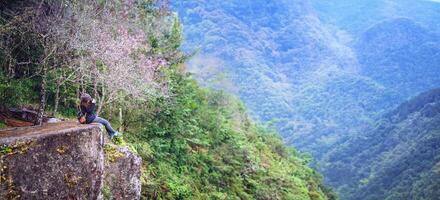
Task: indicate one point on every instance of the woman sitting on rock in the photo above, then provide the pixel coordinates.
(87, 115)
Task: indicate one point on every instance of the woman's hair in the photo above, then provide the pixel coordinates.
(86, 100)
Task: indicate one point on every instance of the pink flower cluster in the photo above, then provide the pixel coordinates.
(117, 55)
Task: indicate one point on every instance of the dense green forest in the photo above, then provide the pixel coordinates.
(398, 159)
(310, 66)
(196, 143)
(326, 73)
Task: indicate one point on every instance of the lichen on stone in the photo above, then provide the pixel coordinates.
(19, 147)
(12, 192)
(31, 166)
(112, 153)
(61, 150)
(71, 180)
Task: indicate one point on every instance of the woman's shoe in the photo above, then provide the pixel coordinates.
(115, 135)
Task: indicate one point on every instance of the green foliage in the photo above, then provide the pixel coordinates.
(119, 140)
(200, 144)
(15, 92)
(5, 150)
(148, 6)
(3, 125)
(175, 36)
(107, 193)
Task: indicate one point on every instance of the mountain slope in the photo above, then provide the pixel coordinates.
(311, 78)
(321, 84)
(398, 159)
(202, 145)
(401, 55)
(284, 63)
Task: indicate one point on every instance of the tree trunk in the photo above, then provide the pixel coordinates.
(57, 98)
(102, 100)
(98, 111)
(110, 113)
(95, 88)
(42, 105)
(83, 88)
(121, 128)
(11, 69)
(78, 88)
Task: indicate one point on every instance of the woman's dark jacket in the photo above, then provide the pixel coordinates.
(88, 111)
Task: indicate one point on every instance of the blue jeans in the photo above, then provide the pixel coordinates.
(106, 124)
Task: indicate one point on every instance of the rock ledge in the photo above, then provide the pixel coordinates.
(65, 161)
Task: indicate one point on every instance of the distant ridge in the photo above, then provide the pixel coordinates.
(398, 159)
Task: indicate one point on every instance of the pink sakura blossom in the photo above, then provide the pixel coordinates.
(113, 52)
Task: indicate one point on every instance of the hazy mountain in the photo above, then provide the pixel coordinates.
(401, 55)
(356, 16)
(288, 65)
(398, 159)
(284, 63)
(323, 71)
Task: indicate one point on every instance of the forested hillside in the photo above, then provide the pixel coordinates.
(323, 72)
(398, 159)
(295, 63)
(195, 143)
(285, 64)
(402, 56)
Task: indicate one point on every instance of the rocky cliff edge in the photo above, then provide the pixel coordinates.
(66, 161)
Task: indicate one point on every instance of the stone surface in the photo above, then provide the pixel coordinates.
(52, 162)
(65, 161)
(122, 173)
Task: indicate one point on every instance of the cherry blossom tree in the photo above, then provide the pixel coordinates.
(113, 53)
(112, 49)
